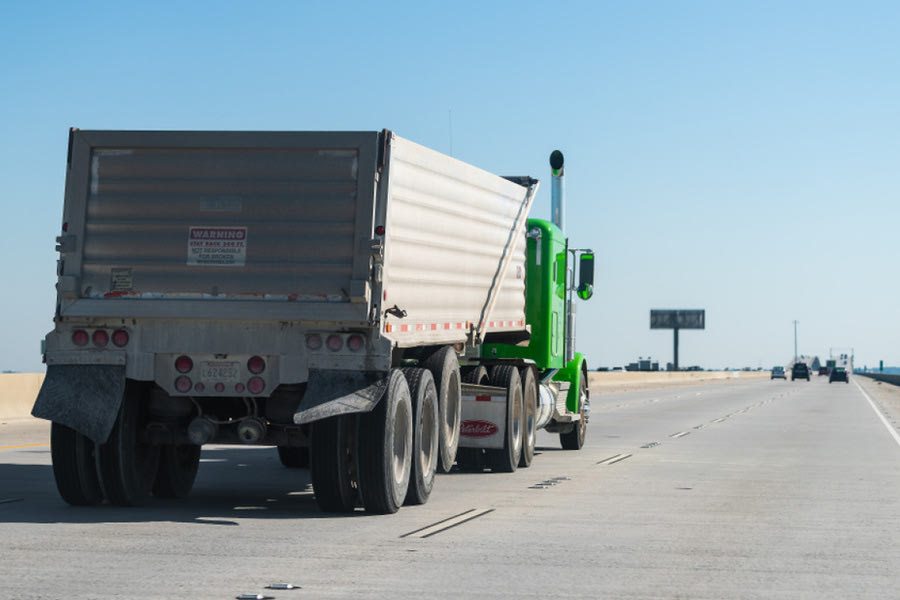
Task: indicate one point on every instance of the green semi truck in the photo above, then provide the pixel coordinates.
(376, 310)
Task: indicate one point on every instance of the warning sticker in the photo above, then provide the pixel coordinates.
(217, 246)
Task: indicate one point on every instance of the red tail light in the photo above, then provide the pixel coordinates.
(256, 365)
(314, 341)
(183, 384)
(101, 338)
(80, 337)
(256, 385)
(335, 342)
(356, 342)
(120, 338)
(183, 364)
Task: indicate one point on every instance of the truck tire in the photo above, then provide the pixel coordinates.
(506, 459)
(426, 434)
(127, 464)
(332, 463)
(444, 368)
(178, 464)
(385, 448)
(74, 466)
(574, 440)
(294, 457)
(529, 409)
(471, 460)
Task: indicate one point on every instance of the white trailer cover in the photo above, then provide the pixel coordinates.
(455, 237)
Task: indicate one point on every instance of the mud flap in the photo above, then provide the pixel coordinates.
(86, 398)
(331, 393)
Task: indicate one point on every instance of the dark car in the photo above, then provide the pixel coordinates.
(823, 370)
(838, 374)
(778, 373)
(800, 371)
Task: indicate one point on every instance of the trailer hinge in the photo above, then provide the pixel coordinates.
(395, 311)
(66, 243)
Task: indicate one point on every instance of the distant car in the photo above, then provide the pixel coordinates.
(800, 371)
(823, 370)
(778, 373)
(838, 374)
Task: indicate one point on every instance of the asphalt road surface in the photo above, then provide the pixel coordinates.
(756, 489)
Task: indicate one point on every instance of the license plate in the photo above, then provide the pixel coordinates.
(225, 371)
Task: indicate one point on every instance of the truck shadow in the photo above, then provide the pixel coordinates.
(233, 484)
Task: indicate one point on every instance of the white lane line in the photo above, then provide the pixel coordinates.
(448, 523)
(890, 429)
(614, 459)
(680, 434)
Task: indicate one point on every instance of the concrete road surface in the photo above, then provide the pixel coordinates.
(758, 489)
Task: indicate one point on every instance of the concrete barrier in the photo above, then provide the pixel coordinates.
(891, 378)
(17, 394)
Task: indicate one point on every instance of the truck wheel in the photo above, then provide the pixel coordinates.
(444, 368)
(529, 408)
(127, 464)
(294, 457)
(385, 448)
(74, 466)
(332, 463)
(574, 439)
(506, 459)
(426, 435)
(177, 471)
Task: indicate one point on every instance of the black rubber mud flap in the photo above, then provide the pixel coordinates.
(332, 393)
(85, 398)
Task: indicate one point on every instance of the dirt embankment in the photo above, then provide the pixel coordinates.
(607, 382)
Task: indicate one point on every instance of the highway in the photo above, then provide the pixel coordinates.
(744, 489)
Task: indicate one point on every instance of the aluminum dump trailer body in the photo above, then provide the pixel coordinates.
(238, 244)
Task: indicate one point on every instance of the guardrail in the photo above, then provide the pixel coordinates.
(891, 378)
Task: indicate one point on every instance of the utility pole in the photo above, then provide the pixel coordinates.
(795, 340)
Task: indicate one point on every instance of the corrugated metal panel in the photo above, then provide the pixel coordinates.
(285, 216)
(448, 224)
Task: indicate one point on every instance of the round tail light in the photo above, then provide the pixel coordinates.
(80, 337)
(256, 385)
(314, 341)
(184, 364)
(120, 338)
(256, 365)
(335, 342)
(356, 342)
(183, 384)
(101, 338)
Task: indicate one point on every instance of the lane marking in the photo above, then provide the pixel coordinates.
(614, 459)
(9, 500)
(680, 434)
(23, 446)
(890, 429)
(444, 525)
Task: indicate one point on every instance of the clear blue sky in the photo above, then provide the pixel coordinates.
(742, 157)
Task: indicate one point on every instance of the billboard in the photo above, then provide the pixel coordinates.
(677, 319)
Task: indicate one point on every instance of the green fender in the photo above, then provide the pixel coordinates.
(574, 372)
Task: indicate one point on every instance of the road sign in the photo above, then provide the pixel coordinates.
(677, 319)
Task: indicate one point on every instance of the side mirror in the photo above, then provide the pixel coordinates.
(586, 276)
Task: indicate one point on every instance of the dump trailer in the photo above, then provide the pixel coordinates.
(376, 310)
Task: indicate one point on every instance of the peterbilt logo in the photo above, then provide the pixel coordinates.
(477, 429)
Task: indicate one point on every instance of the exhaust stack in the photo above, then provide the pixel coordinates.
(558, 190)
